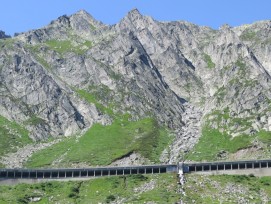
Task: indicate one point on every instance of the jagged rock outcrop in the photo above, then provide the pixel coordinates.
(160, 43)
(143, 67)
(257, 37)
(30, 95)
(3, 35)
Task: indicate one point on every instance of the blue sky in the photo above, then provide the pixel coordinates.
(23, 15)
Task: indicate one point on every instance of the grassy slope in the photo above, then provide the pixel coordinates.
(12, 136)
(101, 145)
(212, 142)
(265, 137)
(92, 98)
(215, 140)
(67, 46)
(209, 61)
(226, 189)
(101, 190)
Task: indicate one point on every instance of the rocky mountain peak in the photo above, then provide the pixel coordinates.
(225, 27)
(82, 18)
(82, 12)
(134, 20)
(3, 35)
(134, 13)
(79, 24)
(63, 21)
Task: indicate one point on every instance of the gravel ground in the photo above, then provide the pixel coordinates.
(17, 159)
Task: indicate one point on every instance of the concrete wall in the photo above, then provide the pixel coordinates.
(255, 172)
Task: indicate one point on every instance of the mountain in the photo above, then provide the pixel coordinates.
(208, 88)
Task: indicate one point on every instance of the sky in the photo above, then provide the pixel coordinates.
(24, 15)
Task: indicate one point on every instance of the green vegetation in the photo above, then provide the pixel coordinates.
(100, 190)
(240, 64)
(212, 142)
(12, 136)
(242, 71)
(216, 136)
(240, 81)
(249, 35)
(92, 98)
(87, 43)
(60, 46)
(115, 76)
(109, 189)
(46, 157)
(104, 144)
(242, 68)
(92, 27)
(206, 40)
(68, 46)
(209, 61)
(36, 52)
(225, 122)
(215, 189)
(220, 94)
(265, 137)
(34, 120)
(7, 42)
(101, 145)
(42, 61)
(49, 192)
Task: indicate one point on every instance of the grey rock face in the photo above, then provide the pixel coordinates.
(161, 43)
(142, 66)
(258, 37)
(30, 95)
(145, 88)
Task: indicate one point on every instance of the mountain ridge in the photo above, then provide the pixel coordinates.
(62, 79)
